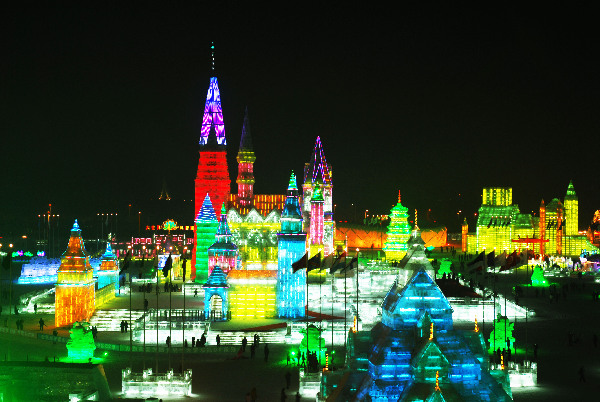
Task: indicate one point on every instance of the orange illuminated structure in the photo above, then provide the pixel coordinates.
(75, 293)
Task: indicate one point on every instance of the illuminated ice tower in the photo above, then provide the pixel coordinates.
(317, 173)
(316, 221)
(222, 252)
(571, 229)
(291, 287)
(245, 158)
(75, 293)
(204, 235)
(213, 175)
(398, 234)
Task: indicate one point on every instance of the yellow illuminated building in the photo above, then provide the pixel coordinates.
(255, 235)
(252, 294)
(499, 222)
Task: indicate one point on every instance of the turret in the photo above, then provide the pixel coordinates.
(245, 159)
(291, 287)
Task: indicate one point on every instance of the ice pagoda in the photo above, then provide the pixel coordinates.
(414, 353)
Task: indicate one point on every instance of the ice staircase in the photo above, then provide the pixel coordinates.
(110, 320)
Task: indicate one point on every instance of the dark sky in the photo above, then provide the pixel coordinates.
(100, 102)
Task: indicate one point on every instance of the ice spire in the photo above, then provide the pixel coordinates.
(246, 139)
(212, 120)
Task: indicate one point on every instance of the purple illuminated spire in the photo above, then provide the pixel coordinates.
(212, 121)
(318, 169)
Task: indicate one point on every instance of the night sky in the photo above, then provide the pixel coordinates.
(101, 103)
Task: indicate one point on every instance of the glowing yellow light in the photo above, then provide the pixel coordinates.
(431, 331)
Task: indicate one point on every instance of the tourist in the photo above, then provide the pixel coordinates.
(35, 308)
(218, 340)
(266, 352)
(42, 324)
(252, 351)
(244, 343)
(288, 359)
(288, 379)
(168, 341)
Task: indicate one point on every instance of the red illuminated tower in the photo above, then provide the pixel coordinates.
(213, 175)
(245, 158)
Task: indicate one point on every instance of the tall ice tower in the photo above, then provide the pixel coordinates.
(571, 227)
(212, 177)
(245, 159)
(291, 287)
(317, 173)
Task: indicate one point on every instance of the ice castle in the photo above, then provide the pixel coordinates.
(414, 353)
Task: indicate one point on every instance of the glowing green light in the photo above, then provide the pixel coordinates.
(537, 278)
(445, 265)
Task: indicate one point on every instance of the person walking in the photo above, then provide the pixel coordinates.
(244, 343)
(288, 379)
(266, 352)
(218, 340)
(42, 324)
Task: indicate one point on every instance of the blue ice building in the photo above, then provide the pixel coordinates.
(415, 354)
